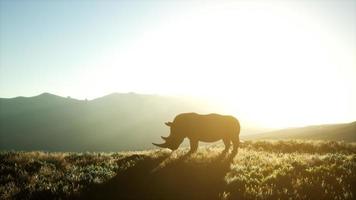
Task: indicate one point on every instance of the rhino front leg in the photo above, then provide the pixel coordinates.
(193, 145)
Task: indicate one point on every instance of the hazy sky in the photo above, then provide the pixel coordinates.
(277, 62)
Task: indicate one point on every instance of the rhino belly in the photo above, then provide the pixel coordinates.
(212, 139)
(209, 136)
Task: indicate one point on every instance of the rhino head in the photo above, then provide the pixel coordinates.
(173, 140)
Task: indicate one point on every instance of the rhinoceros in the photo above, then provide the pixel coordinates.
(205, 128)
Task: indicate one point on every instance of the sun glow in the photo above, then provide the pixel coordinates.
(272, 65)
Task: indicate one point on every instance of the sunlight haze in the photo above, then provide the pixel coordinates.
(275, 63)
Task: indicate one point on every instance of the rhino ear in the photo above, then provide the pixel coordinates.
(169, 123)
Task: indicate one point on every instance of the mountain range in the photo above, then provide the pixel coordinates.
(119, 121)
(116, 122)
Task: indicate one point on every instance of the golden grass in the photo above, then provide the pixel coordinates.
(261, 170)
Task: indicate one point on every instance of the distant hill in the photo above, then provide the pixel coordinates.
(111, 123)
(116, 122)
(346, 132)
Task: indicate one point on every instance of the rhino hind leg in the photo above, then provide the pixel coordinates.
(235, 142)
(227, 143)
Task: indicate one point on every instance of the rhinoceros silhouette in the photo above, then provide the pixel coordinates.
(205, 128)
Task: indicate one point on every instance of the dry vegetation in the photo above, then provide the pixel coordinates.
(261, 170)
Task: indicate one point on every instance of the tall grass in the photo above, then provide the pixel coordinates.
(261, 170)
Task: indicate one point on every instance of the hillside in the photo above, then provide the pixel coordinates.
(346, 132)
(110, 123)
(117, 122)
(261, 170)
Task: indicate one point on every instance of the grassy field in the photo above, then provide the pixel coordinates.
(261, 170)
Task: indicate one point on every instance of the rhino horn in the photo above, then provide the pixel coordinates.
(168, 123)
(164, 145)
(165, 138)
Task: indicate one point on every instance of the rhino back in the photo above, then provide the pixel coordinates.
(209, 127)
